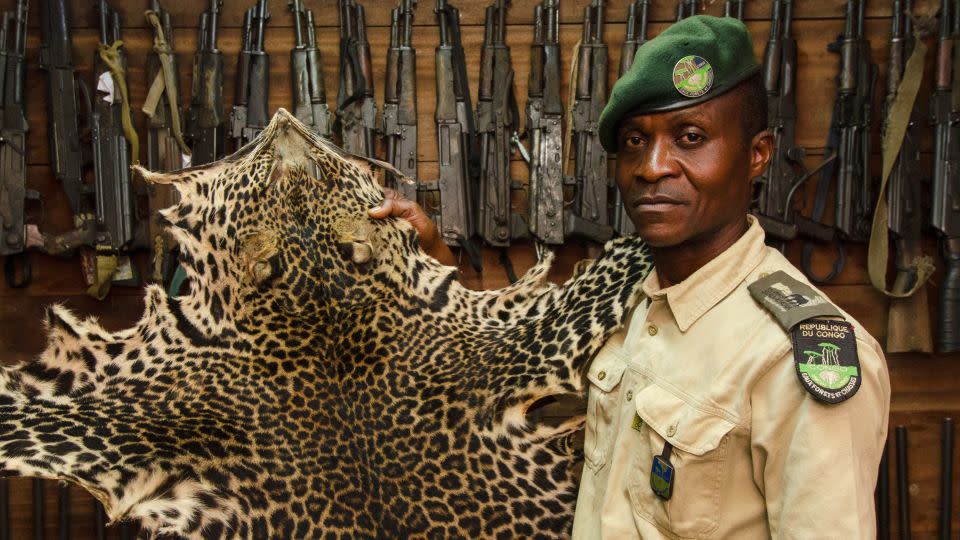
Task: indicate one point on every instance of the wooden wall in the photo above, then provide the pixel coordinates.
(925, 387)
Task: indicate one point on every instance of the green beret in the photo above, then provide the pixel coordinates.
(692, 61)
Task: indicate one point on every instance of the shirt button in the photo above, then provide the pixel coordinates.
(671, 431)
(602, 375)
(629, 395)
(764, 274)
(652, 330)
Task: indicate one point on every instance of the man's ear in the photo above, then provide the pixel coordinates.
(761, 150)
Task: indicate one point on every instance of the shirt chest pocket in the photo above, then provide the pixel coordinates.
(603, 407)
(699, 457)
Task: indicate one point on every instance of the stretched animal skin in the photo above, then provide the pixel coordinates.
(323, 377)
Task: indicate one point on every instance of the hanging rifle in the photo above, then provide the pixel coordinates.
(400, 100)
(309, 92)
(204, 121)
(13, 147)
(497, 118)
(166, 149)
(455, 192)
(903, 482)
(251, 112)
(356, 110)
(945, 206)
(908, 322)
(637, 15)
(686, 8)
(785, 173)
(848, 144)
(119, 226)
(733, 8)
(589, 217)
(545, 128)
(946, 478)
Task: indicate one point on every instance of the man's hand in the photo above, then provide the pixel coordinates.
(396, 205)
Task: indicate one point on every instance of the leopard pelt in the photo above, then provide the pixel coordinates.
(323, 376)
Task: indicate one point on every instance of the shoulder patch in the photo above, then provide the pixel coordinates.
(790, 301)
(825, 355)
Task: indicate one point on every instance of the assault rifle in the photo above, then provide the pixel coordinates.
(205, 114)
(858, 75)
(544, 127)
(119, 226)
(909, 318)
(356, 111)
(848, 145)
(309, 93)
(589, 217)
(250, 114)
(786, 172)
(733, 8)
(166, 149)
(400, 99)
(455, 191)
(686, 8)
(497, 119)
(637, 15)
(945, 206)
(13, 147)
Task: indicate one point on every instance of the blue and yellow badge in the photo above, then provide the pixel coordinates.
(662, 473)
(693, 76)
(825, 354)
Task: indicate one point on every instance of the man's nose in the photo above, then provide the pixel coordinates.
(657, 163)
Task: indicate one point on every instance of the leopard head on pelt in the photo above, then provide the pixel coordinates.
(321, 375)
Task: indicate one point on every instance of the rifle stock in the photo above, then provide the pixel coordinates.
(204, 118)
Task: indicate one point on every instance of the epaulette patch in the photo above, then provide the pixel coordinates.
(789, 300)
(825, 354)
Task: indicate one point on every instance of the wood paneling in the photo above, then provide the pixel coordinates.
(925, 387)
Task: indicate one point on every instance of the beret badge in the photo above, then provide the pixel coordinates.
(692, 76)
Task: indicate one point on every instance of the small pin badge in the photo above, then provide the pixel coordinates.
(693, 76)
(662, 473)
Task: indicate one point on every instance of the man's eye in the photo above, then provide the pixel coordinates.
(691, 138)
(632, 141)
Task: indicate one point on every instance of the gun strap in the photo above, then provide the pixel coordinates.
(571, 100)
(105, 266)
(110, 55)
(165, 80)
(897, 121)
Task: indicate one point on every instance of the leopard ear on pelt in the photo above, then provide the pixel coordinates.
(358, 252)
(259, 257)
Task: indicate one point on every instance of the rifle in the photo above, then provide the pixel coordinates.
(455, 191)
(848, 144)
(166, 149)
(909, 317)
(636, 36)
(400, 100)
(686, 8)
(774, 189)
(13, 147)
(545, 127)
(733, 8)
(858, 75)
(205, 115)
(883, 494)
(356, 111)
(589, 217)
(946, 478)
(250, 114)
(903, 482)
(945, 206)
(497, 119)
(309, 92)
(115, 142)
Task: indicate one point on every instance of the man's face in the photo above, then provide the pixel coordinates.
(685, 174)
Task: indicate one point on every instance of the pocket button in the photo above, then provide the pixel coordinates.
(629, 395)
(672, 430)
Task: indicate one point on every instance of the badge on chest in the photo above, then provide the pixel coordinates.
(662, 473)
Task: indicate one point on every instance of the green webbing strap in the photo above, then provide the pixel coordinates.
(897, 120)
(165, 80)
(179, 276)
(111, 57)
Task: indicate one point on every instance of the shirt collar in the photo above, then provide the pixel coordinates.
(694, 296)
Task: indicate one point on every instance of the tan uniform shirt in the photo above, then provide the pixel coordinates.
(702, 365)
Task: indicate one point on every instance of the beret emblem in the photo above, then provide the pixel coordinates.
(692, 76)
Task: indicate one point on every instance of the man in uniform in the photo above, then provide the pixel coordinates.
(737, 401)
